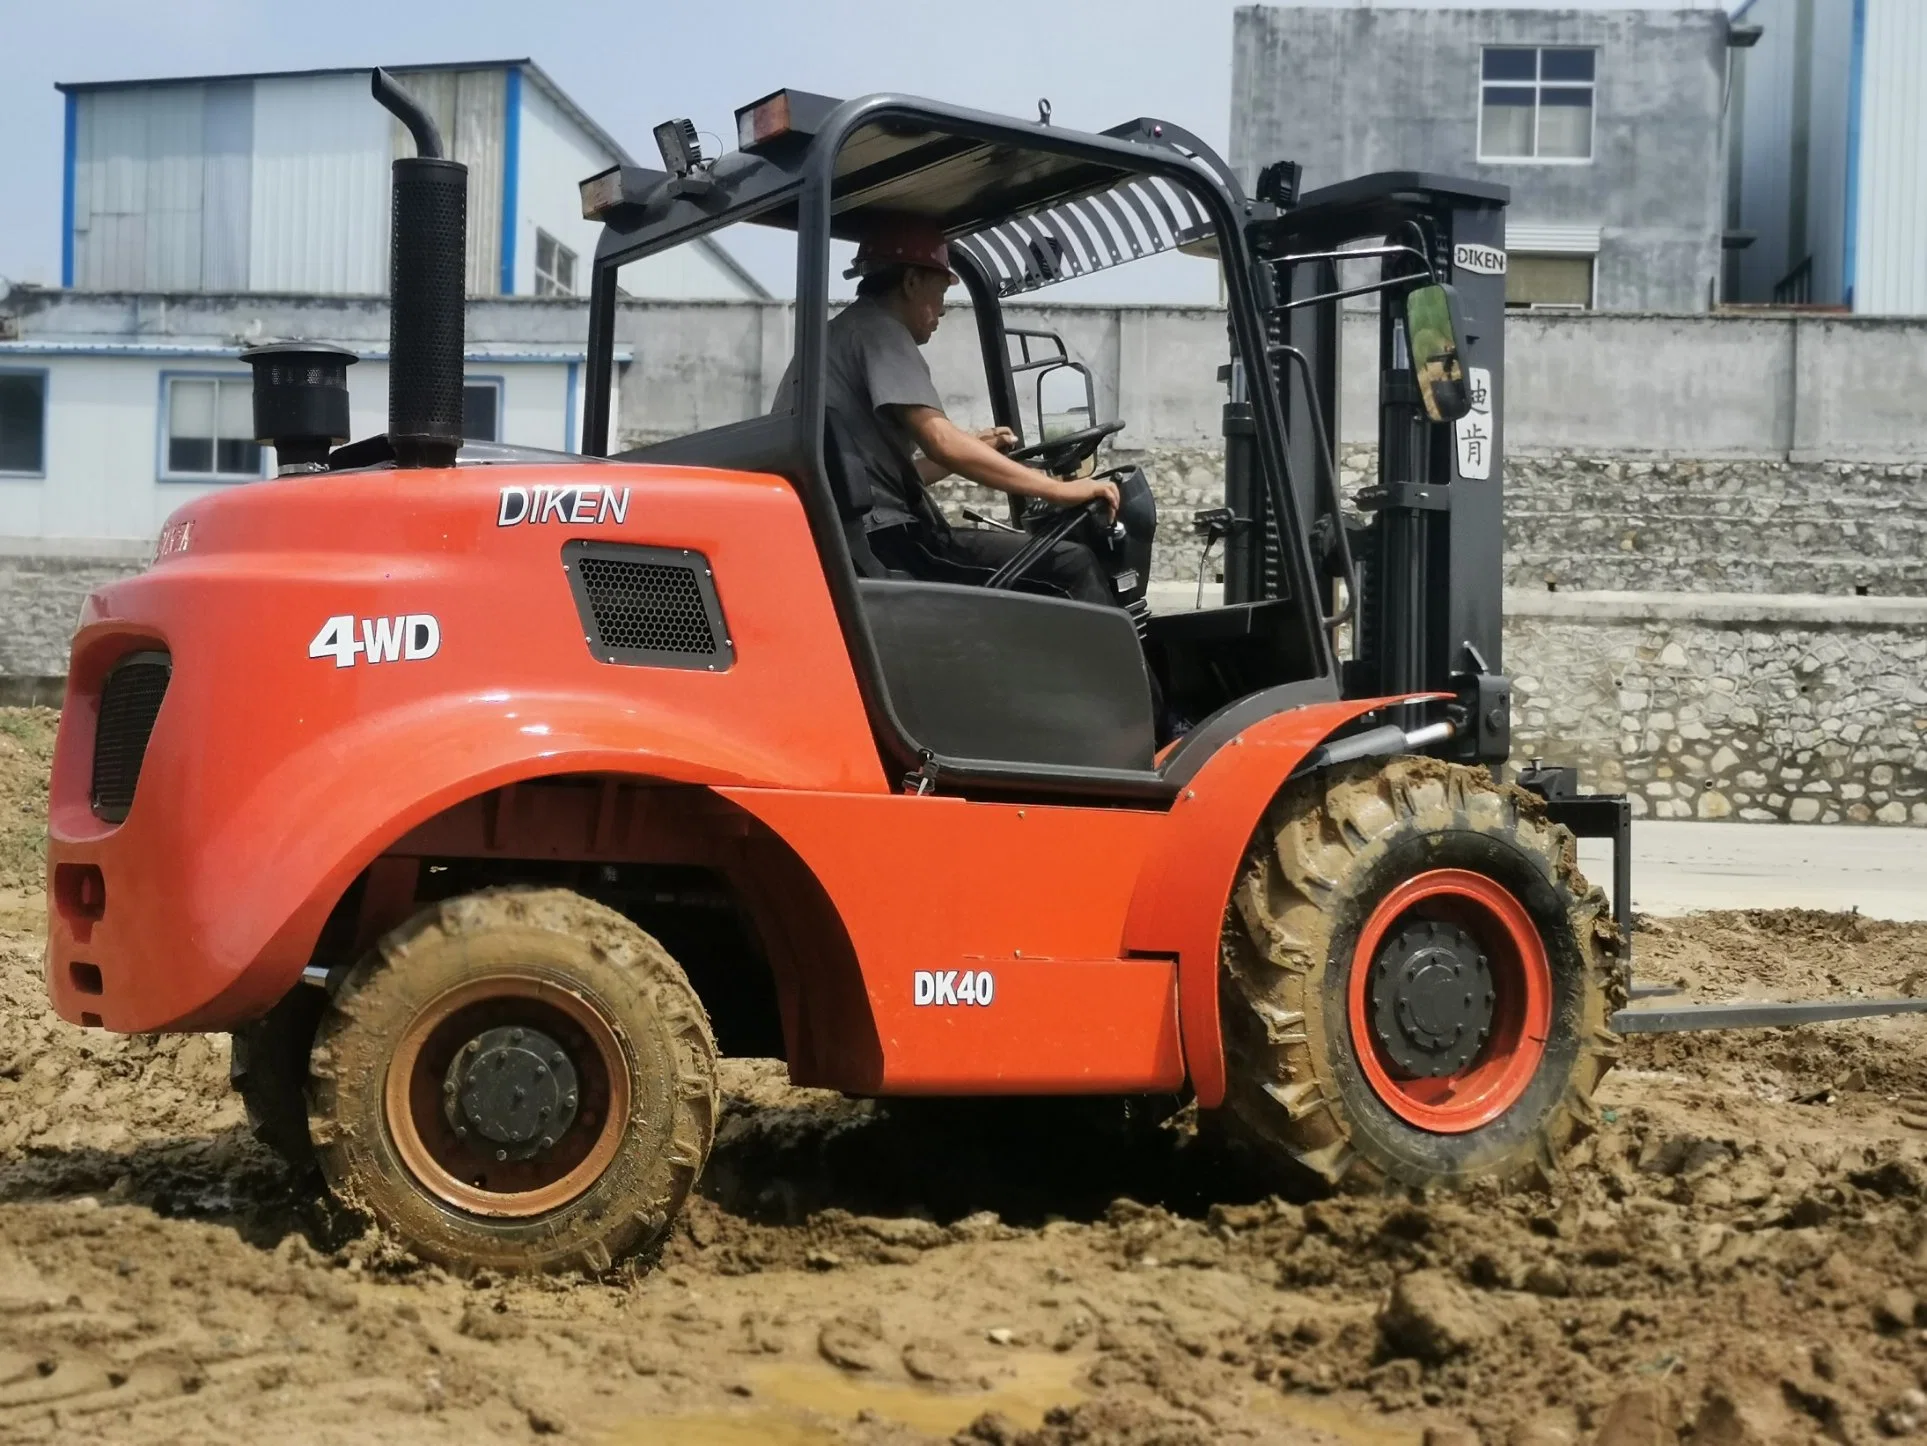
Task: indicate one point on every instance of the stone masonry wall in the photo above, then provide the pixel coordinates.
(40, 600)
(1632, 523)
(1801, 710)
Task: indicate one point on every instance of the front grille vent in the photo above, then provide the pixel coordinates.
(130, 701)
(648, 606)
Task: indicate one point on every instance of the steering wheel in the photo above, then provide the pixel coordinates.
(1061, 456)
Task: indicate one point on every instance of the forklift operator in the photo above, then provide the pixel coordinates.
(880, 393)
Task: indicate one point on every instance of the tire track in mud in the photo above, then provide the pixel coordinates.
(1742, 1249)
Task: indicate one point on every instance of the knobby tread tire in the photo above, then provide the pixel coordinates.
(1329, 848)
(642, 993)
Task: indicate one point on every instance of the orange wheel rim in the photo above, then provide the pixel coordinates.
(464, 1172)
(1498, 1075)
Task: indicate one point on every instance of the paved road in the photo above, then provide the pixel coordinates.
(1679, 867)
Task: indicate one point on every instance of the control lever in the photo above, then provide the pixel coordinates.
(971, 514)
(1042, 542)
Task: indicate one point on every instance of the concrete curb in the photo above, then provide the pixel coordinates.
(1639, 607)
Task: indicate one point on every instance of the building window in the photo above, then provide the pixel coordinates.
(1548, 283)
(482, 412)
(1536, 104)
(210, 429)
(23, 424)
(554, 267)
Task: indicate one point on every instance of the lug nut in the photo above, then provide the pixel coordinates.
(501, 1154)
(541, 1071)
(548, 1142)
(461, 1132)
(558, 1058)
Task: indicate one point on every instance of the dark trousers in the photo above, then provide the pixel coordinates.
(973, 554)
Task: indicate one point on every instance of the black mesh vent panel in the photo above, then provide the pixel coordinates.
(130, 701)
(648, 606)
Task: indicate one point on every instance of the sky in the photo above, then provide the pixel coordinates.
(634, 63)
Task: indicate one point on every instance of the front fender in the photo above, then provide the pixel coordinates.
(1178, 907)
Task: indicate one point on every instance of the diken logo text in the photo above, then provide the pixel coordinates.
(1486, 259)
(571, 506)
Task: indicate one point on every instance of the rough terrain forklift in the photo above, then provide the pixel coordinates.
(480, 792)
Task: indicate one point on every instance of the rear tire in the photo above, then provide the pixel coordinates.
(468, 984)
(268, 1068)
(1357, 863)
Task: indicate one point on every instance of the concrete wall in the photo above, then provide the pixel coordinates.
(1353, 90)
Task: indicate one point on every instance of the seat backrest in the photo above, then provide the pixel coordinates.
(985, 675)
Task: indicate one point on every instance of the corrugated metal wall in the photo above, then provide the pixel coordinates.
(278, 184)
(470, 107)
(137, 189)
(319, 203)
(1891, 221)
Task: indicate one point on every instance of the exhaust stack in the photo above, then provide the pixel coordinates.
(427, 272)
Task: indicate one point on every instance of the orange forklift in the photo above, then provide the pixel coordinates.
(484, 793)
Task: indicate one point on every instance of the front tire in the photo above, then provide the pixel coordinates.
(517, 1079)
(1417, 982)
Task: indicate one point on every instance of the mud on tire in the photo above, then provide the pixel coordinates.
(498, 950)
(1324, 866)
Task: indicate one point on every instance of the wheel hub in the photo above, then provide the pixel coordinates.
(1432, 999)
(511, 1091)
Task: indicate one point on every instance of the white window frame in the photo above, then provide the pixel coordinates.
(493, 384)
(46, 412)
(550, 279)
(1538, 86)
(163, 431)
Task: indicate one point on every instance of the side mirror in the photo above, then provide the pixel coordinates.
(1432, 329)
(1066, 401)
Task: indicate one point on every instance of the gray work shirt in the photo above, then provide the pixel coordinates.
(874, 364)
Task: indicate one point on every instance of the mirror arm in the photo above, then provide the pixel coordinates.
(1365, 253)
(1367, 290)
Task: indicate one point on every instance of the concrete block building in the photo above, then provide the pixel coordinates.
(1606, 124)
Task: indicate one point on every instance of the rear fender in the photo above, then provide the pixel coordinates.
(1178, 908)
(231, 912)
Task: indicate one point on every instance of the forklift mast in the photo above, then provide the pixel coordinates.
(1424, 569)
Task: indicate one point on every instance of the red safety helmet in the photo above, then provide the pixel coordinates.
(899, 240)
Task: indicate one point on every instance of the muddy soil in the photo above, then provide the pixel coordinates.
(1738, 1256)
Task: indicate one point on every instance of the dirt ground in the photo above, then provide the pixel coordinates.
(1740, 1256)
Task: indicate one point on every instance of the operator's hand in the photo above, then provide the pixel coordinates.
(1075, 494)
(1002, 438)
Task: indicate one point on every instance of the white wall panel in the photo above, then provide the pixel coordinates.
(318, 208)
(468, 106)
(1891, 266)
(104, 427)
(228, 145)
(555, 158)
(174, 127)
